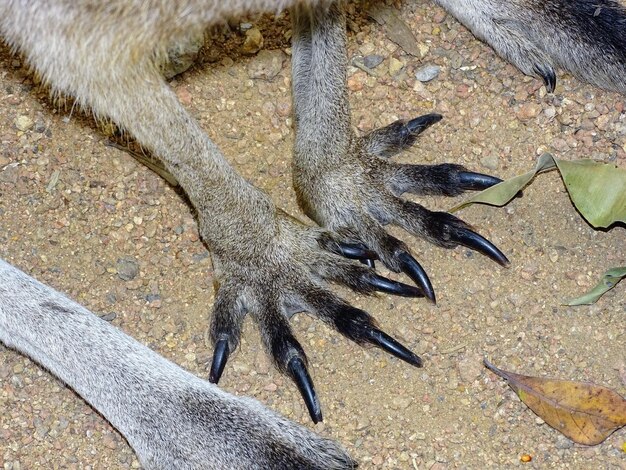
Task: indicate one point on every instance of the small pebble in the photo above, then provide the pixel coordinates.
(127, 269)
(372, 61)
(490, 162)
(395, 66)
(109, 316)
(400, 403)
(427, 73)
(253, 42)
(528, 111)
(553, 255)
(23, 123)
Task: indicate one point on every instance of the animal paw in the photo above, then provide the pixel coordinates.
(584, 37)
(285, 271)
(358, 193)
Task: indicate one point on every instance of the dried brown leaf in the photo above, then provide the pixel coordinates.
(584, 412)
(395, 29)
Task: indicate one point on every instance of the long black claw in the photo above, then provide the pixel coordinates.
(298, 372)
(220, 356)
(393, 347)
(356, 251)
(421, 123)
(546, 72)
(470, 239)
(369, 262)
(477, 181)
(412, 268)
(389, 286)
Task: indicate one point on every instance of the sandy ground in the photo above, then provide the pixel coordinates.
(75, 213)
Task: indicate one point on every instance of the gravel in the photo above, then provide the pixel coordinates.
(452, 413)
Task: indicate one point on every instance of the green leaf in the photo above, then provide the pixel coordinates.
(608, 281)
(598, 190)
(502, 193)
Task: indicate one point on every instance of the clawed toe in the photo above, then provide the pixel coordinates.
(471, 239)
(420, 124)
(468, 180)
(546, 72)
(355, 251)
(414, 270)
(398, 136)
(389, 286)
(298, 372)
(359, 252)
(387, 343)
(220, 357)
(359, 326)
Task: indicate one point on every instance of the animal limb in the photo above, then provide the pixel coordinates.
(347, 183)
(583, 37)
(171, 418)
(267, 264)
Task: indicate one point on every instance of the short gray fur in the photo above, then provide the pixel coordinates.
(269, 265)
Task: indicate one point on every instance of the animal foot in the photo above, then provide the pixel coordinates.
(584, 37)
(360, 193)
(274, 279)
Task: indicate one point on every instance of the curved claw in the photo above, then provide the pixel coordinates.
(356, 251)
(220, 356)
(477, 181)
(470, 239)
(546, 72)
(298, 372)
(389, 286)
(393, 347)
(414, 270)
(421, 123)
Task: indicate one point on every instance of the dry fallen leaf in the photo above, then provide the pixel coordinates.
(583, 412)
(395, 29)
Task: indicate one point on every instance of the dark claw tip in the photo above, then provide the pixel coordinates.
(220, 356)
(298, 372)
(356, 251)
(421, 123)
(389, 286)
(470, 239)
(412, 268)
(546, 72)
(393, 347)
(477, 181)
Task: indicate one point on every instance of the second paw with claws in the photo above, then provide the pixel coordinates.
(356, 192)
(288, 273)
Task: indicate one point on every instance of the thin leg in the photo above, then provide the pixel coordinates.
(343, 182)
(171, 418)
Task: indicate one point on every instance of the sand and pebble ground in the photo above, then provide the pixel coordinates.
(92, 222)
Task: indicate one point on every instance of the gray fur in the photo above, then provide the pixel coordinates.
(586, 38)
(171, 418)
(268, 265)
